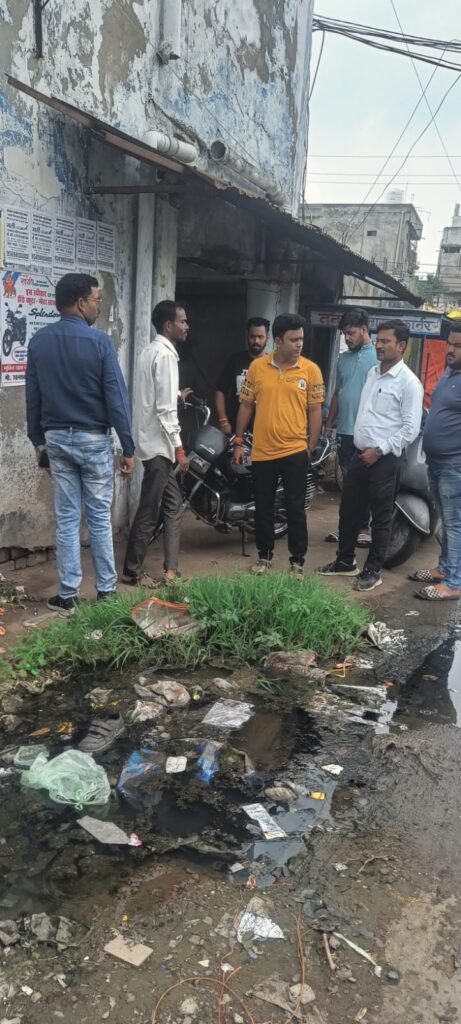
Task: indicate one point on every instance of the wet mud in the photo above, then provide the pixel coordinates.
(382, 841)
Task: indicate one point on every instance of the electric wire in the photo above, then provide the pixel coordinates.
(442, 143)
(418, 137)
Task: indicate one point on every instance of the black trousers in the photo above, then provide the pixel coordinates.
(160, 495)
(293, 471)
(346, 452)
(374, 486)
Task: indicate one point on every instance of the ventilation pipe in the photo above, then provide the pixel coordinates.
(170, 44)
(223, 155)
(185, 152)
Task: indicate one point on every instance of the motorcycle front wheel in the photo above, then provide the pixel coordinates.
(403, 541)
(7, 343)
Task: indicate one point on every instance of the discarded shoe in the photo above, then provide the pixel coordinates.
(102, 734)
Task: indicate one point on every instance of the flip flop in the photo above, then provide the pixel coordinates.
(432, 594)
(423, 576)
(101, 734)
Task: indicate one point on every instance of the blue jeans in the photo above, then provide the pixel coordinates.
(82, 469)
(446, 491)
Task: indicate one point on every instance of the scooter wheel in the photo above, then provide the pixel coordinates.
(403, 541)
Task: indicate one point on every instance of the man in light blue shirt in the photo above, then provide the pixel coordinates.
(351, 373)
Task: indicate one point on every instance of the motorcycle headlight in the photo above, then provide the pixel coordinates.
(197, 464)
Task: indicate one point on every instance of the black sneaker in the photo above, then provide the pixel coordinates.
(338, 568)
(368, 579)
(103, 595)
(64, 605)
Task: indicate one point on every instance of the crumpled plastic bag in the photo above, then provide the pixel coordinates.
(160, 618)
(70, 778)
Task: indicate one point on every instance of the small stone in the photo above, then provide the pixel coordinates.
(9, 933)
(304, 993)
(15, 1020)
(130, 997)
(42, 927)
(195, 940)
(238, 1019)
(35, 998)
(189, 1006)
(392, 975)
(333, 942)
(105, 1015)
(344, 974)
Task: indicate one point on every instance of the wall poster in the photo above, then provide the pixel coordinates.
(27, 302)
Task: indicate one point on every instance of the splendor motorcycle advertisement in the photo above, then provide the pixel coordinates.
(26, 304)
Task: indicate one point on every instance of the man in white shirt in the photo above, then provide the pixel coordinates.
(158, 445)
(388, 420)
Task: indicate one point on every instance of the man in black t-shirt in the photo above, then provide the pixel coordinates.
(227, 394)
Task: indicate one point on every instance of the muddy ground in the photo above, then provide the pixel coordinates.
(376, 861)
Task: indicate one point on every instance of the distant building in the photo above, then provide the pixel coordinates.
(386, 233)
(449, 263)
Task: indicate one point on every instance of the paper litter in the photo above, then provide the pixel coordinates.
(107, 832)
(268, 825)
(173, 765)
(228, 714)
(256, 924)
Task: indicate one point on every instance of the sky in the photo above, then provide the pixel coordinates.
(362, 100)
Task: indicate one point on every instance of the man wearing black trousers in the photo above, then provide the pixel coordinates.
(284, 392)
(388, 420)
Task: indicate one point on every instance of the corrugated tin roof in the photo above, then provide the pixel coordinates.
(317, 241)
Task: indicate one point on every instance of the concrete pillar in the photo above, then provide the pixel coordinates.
(165, 251)
(269, 298)
(142, 317)
(155, 280)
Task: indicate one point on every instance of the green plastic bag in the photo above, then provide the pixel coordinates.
(70, 778)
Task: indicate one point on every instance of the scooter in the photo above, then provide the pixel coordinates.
(218, 491)
(415, 515)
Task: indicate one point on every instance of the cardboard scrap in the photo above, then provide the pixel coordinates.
(131, 953)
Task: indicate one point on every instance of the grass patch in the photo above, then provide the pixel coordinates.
(241, 616)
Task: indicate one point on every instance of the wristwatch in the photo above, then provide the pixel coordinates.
(380, 451)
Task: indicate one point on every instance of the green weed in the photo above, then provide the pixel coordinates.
(240, 616)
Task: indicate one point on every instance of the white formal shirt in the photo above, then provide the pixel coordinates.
(390, 410)
(156, 425)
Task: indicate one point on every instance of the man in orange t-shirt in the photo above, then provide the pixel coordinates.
(285, 393)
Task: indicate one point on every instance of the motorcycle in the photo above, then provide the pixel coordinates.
(415, 515)
(219, 492)
(16, 330)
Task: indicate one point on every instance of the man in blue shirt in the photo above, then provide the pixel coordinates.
(442, 446)
(75, 394)
(351, 374)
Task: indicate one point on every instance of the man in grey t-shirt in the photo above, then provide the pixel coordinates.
(351, 374)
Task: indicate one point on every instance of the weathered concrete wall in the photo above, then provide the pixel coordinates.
(242, 74)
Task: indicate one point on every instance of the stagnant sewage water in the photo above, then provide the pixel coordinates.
(48, 863)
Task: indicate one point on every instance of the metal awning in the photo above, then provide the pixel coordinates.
(319, 243)
(308, 236)
(104, 132)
